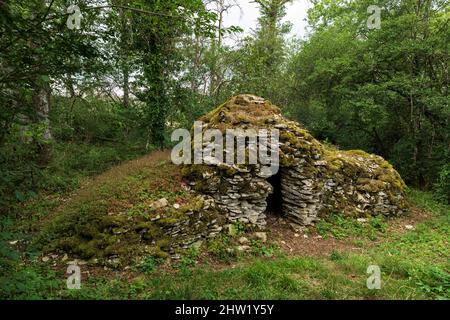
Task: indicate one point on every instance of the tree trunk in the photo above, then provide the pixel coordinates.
(126, 87)
(41, 102)
(124, 40)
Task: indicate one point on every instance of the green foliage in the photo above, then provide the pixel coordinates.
(28, 282)
(187, 261)
(434, 281)
(335, 256)
(89, 138)
(155, 41)
(19, 171)
(94, 120)
(221, 248)
(239, 227)
(257, 65)
(385, 86)
(442, 185)
(90, 129)
(341, 227)
(19, 280)
(150, 264)
(413, 265)
(428, 202)
(261, 249)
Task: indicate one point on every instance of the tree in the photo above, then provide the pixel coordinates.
(260, 59)
(36, 48)
(385, 90)
(217, 52)
(156, 37)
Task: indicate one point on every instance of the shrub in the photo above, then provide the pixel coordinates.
(442, 185)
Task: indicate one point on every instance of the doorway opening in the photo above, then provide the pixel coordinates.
(275, 199)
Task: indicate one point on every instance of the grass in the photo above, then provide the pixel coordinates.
(414, 263)
(341, 227)
(114, 215)
(414, 266)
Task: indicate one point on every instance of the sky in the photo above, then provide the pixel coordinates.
(246, 17)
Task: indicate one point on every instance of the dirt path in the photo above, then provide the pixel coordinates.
(314, 245)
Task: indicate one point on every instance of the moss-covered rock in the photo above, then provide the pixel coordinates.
(111, 217)
(316, 179)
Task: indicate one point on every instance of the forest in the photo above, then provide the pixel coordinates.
(89, 88)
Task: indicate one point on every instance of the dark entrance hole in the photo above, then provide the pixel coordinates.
(275, 199)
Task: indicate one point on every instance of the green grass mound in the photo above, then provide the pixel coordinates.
(113, 218)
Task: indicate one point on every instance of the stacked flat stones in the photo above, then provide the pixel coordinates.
(316, 180)
(247, 206)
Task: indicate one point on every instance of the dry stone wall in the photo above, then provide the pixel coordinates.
(316, 180)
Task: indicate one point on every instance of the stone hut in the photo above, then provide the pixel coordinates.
(313, 179)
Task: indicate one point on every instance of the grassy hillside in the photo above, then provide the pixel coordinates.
(328, 261)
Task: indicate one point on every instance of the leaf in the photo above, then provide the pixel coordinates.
(45, 78)
(19, 196)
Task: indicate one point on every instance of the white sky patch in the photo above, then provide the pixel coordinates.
(246, 17)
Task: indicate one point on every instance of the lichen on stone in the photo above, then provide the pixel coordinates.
(111, 219)
(316, 179)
